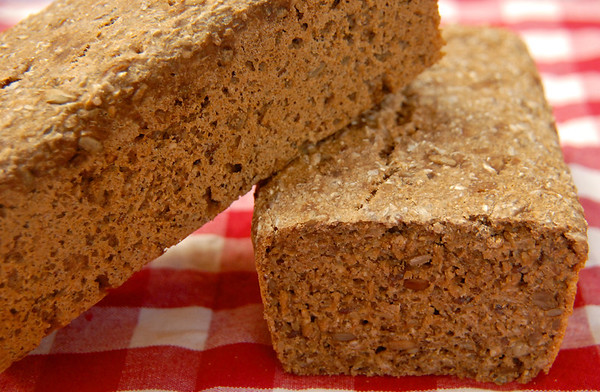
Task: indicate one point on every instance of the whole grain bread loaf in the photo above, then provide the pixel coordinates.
(441, 234)
(125, 125)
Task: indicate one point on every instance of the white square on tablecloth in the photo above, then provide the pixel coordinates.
(518, 10)
(587, 181)
(594, 244)
(564, 89)
(448, 11)
(183, 327)
(578, 332)
(199, 252)
(593, 313)
(580, 132)
(549, 45)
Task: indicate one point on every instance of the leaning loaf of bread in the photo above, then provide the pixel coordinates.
(442, 235)
(124, 125)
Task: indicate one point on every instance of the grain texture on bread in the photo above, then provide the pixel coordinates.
(124, 125)
(441, 234)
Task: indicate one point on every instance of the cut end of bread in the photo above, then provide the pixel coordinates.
(487, 301)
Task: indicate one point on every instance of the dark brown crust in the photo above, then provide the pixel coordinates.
(441, 234)
(124, 128)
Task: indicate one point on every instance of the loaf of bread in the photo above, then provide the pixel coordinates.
(440, 234)
(125, 125)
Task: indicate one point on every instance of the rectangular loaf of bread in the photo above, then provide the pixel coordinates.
(440, 234)
(125, 125)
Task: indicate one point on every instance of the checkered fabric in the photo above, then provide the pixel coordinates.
(192, 320)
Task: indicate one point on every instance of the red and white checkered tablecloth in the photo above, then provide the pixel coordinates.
(192, 320)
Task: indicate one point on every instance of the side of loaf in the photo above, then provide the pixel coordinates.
(441, 234)
(125, 125)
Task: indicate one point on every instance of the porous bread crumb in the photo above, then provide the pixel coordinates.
(125, 125)
(440, 235)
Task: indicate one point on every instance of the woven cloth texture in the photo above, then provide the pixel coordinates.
(192, 319)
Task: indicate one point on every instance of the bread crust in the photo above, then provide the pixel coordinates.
(441, 234)
(125, 125)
